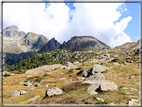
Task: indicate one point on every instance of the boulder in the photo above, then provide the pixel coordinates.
(116, 63)
(22, 92)
(53, 91)
(133, 102)
(70, 66)
(82, 73)
(105, 86)
(96, 76)
(98, 68)
(15, 93)
(76, 63)
(92, 89)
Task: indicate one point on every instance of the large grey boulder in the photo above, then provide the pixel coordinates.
(53, 91)
(92, 89)
(98, 69)
(105, 86)
(15, 93)
(96, 76)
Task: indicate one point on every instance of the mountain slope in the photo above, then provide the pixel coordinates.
(51, 45)
(83, 43)
(15, 41)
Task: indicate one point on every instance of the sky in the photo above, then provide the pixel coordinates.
(111, 23)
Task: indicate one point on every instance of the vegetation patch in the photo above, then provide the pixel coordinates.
(34, 79)
(73, 86)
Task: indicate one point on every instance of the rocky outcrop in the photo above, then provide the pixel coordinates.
(53, 91)
(44, 68)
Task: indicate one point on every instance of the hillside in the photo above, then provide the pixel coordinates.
(78, 78)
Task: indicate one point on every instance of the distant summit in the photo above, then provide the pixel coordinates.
(83, 43)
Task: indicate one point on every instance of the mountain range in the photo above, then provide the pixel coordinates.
(18, 45)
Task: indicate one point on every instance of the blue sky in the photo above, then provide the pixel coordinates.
(111, 23)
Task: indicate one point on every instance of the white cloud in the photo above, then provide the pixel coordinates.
(123, 23)
(95, 19)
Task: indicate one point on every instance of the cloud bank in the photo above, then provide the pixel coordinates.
(91, 19)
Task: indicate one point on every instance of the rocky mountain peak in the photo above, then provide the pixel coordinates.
(81, 43)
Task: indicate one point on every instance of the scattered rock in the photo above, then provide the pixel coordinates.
(4, 83)
(31, 89)
(76, 63)
(80, 78)
(22, 92)
(133, 102)
(62, 78)
(105, 86)
(112, 104)
(34, 98)
(41, 81)
(68, 80)
(131, 77)
(100, 99)
(53, 91)
(46, 86)
(15, 93)
(116, 63)
(82, 73)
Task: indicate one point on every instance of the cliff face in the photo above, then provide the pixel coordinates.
(83, 43)
(51, 45)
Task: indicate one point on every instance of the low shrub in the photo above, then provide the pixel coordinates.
(7, 74)
(73, 86)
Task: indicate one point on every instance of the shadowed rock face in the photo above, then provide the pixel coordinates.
(83, 43)
(51, 45)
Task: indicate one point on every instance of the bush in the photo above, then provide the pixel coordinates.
(70, 71)
(68, 100)
(7, 74)
(73, 86)
(115, 60)
(46, 74)
(34, 79)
